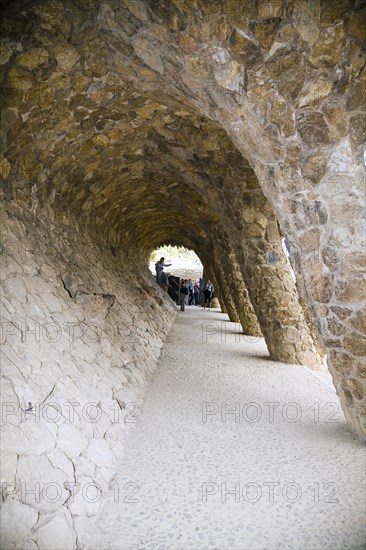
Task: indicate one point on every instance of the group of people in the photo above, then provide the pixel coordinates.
(191, 293)
(199, 293)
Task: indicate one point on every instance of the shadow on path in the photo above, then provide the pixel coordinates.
(236, 451)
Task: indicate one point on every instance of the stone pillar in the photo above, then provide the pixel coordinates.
(331, 275)
(236, 293)
(218, 290)
(221, 300)
(273, 293)
(243, 305)
(216, 274)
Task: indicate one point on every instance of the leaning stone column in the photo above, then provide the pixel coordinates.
(219, 297)
(273, 293)
(236, 292)
(217, 274)
(243, 305)
(330, 270)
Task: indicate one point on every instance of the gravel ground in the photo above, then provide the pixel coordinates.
(281, 471)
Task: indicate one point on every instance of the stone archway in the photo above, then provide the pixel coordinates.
(125, 124)
(219, 126)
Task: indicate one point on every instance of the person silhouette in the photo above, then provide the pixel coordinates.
(207, 293)
(159, 268)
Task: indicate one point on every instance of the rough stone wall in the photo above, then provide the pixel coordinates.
(82, 357)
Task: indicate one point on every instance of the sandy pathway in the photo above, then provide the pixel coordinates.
(294, 471)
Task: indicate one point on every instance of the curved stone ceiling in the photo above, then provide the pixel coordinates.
(139, 166)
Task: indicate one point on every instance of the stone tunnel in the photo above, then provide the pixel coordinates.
(225, 127)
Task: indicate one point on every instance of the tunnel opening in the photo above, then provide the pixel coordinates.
(185, 263)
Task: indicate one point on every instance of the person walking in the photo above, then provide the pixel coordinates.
(207, 293)
(191, 293)
(200, 291)
(196, 290)
(183, 292)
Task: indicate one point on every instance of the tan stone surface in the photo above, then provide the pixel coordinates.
(134, 124)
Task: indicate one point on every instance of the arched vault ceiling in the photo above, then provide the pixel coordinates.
(115, 109)
(138, 165)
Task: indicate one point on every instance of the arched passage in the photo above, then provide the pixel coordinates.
(139, 186)
(126, 124)
(122, 122)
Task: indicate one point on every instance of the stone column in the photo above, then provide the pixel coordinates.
(237, 295)
(330, 268)
(243, 305)
(273, 293)
(221, 300)
(216, 274)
